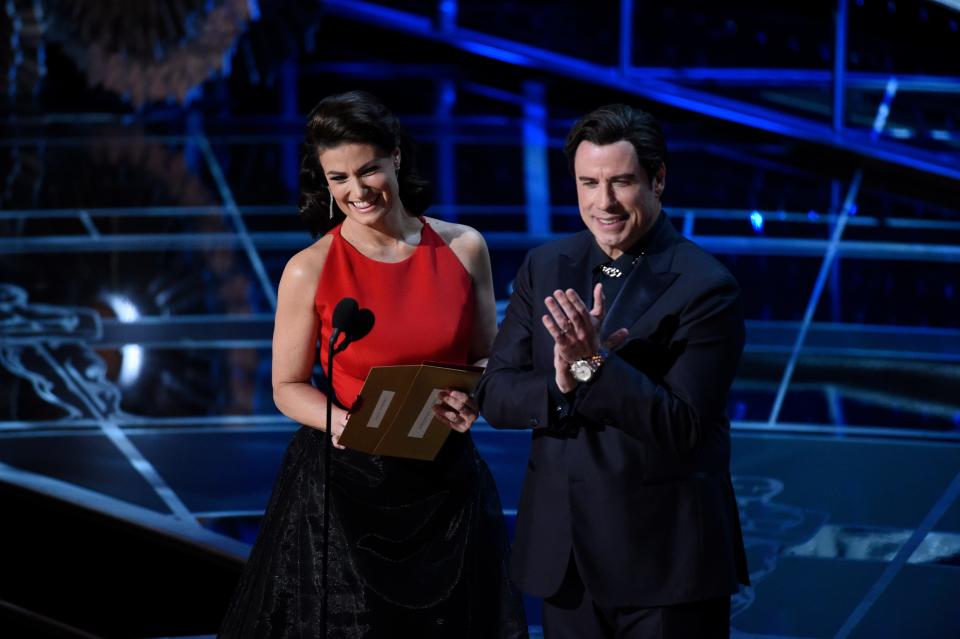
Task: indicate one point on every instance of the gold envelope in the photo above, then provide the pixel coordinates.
(393, 414)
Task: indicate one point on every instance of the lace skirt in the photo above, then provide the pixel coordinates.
(417, 549)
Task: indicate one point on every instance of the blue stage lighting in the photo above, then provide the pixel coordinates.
(756, 221)
(740, 411)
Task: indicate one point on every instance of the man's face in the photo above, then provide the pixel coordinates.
(617, 202)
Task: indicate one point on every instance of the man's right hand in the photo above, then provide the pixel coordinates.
(565, 381)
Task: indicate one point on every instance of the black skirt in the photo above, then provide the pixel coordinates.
(417, 549)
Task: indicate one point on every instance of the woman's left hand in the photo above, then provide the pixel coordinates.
(456, 409)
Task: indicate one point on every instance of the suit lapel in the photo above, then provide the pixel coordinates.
(642, 288)
(646, 282)
(575, 270)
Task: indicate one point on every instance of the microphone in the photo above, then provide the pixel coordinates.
(351, 321)
(361, 325)
(343, 314)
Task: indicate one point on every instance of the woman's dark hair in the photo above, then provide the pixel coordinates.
(353, 117)
(615, 122)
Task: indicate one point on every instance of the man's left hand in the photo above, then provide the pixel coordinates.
(572, 326)
(575, 330)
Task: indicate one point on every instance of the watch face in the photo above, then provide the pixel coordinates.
(581, 370)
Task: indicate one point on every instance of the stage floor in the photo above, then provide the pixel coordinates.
(852, 536)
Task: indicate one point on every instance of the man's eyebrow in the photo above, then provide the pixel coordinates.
(621, 176)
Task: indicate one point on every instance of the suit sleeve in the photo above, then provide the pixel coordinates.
(675, 415)
(511, 394)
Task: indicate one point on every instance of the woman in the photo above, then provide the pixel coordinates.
(417, 549)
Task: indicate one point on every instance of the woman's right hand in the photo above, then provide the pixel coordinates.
(340, 418)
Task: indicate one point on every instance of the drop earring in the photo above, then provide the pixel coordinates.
(331, 202)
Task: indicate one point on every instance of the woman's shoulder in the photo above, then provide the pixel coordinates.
(465, 241)
(305, 266)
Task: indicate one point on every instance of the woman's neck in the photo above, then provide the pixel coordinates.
(393, 235)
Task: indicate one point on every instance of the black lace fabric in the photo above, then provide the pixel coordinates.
(417, 549)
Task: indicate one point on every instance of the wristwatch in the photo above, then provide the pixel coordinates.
(583, 370)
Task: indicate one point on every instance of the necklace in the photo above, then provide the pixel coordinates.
(611, 271)
(614, 272)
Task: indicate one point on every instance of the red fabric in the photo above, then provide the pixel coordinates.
(424, 308)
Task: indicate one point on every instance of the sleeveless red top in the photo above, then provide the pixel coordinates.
(423, 308)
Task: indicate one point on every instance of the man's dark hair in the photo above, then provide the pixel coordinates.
(615, 122)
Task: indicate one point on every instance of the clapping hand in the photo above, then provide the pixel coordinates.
(575, 331)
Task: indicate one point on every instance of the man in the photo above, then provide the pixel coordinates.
(627, 525)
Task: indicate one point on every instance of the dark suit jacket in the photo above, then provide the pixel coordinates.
(636, 482)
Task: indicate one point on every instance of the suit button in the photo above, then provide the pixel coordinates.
(534, 422)
(559, 409)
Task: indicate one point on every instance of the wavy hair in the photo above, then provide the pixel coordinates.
(360, 118)
(615, 122)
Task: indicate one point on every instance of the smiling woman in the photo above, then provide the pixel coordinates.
(416, 548)
(360, 178)
(364, 187)
(349, 128)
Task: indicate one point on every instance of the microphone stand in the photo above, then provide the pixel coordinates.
(327, 460)
(353, 323)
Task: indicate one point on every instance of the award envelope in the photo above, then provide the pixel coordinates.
(393, 414)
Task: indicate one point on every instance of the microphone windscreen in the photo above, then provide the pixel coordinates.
(343, 313)
(361, 325)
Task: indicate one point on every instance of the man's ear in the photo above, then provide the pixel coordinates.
(660, 180)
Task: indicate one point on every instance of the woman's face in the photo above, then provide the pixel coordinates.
(363, 181)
